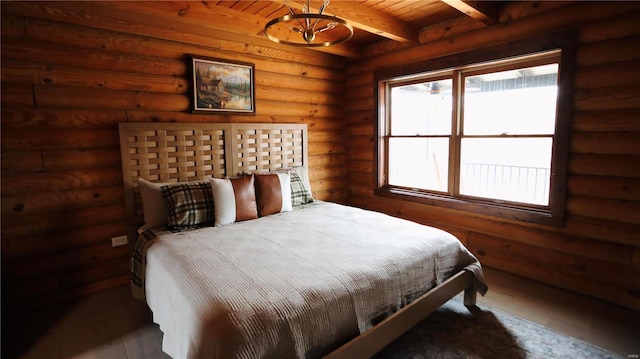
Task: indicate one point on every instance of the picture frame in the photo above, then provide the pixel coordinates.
(222, 87)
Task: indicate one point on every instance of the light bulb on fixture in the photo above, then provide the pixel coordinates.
(307, 29)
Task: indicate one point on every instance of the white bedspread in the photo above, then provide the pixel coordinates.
(296, 284)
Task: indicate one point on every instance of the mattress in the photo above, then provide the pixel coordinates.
(292, 285)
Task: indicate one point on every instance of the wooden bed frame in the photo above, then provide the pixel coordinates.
(181, 152)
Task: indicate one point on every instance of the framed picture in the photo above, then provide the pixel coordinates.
(222, 87)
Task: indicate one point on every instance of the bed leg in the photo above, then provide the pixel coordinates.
(470, 296)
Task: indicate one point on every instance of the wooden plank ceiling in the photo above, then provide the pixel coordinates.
(373, 20)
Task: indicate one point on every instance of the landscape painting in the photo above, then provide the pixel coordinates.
(221, 86)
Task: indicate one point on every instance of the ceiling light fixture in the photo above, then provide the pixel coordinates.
(308, 30)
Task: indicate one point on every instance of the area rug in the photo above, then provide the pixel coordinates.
(455, 332)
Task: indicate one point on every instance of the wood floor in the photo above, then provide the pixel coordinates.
(111, 324)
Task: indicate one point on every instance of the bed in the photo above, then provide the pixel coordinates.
(302, 278)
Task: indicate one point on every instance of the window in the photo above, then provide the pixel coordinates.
(487, 136)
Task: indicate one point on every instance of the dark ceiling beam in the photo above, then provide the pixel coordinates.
(367, 19)
(484, 11)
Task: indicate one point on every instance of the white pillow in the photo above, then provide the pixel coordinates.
(155, 211)
(285, 184)
(224, 201)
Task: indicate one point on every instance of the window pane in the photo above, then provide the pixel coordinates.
(419, 163)
(511, 169)
(511, 102)
(421, 109)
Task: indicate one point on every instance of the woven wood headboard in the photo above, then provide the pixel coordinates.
(181, 152)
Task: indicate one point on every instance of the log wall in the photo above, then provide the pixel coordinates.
(70, 73)
(597, 251)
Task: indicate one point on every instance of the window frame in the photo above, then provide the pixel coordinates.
(473, 62)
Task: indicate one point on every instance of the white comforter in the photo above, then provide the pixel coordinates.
(295, 284)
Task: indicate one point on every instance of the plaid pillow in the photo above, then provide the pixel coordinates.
(190, 205)
(300, 194)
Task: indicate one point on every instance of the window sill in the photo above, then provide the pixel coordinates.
(476, 206)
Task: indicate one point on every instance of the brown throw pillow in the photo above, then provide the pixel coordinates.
(245, 195)
(268, 194)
